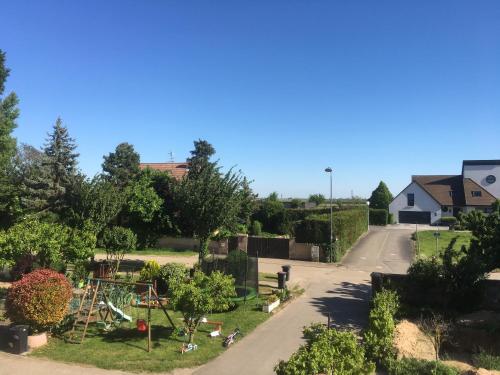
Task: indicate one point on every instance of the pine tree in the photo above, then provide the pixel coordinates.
(62, 161)
(8, 116)
(200, 158)
(122, 166)
(381, 197)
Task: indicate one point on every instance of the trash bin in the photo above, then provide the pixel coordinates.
(281, 280)
(18, 339)
(286, 268)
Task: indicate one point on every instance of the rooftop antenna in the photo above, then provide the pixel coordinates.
(171, 154)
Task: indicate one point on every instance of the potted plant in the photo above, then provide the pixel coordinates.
(271, 303)
(41, 300)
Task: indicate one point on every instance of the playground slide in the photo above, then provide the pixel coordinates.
(120, 313)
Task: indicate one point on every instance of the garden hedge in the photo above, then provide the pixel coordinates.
(348, 226)
(379, 216)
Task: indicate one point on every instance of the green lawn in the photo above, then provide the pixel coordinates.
(125, 348)
(427, 242)
(157, 251)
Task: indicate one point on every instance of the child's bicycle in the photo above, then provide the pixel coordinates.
(231, 338)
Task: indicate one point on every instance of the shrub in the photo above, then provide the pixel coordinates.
(348, 226)
(379, 216)
(256, 229)
(46, 244)
(170, 275)
(449, 220)
(412, 366)
(486, 360)
(380, 334)
(40, 299)
(390, 218)
(327, 351)
(150, 271)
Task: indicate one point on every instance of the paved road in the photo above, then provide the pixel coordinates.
(343, 291)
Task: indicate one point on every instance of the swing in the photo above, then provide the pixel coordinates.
(141, 325)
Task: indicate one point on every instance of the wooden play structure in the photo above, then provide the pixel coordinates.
(104, 302)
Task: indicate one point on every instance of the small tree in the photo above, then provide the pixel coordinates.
(437, 330)
(200, 296)
(256, 229)
(117, 241)
(381, 197)
(317, 198)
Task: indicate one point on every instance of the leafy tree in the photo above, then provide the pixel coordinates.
(327, 351)
(172, 274)
(117, 241)
(273, 215)
(317, 198)
(381, 197)
(247, 202)
(295, 203)
(145, 210)
(61, 160)
(200, 157)
(122, 166)
(209, 202)
(47, 244)
(256, 229)
(93, 204)
(200, 296)
(8, 116)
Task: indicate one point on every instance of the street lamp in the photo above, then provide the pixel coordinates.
(330, 170)
(368, 210)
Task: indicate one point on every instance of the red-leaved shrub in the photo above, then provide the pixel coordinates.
(40, 299)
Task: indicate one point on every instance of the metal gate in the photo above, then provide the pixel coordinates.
(269, 247)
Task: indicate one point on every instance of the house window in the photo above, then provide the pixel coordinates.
(411, 199)
(444, 208)
(450, 193)
(476, 193)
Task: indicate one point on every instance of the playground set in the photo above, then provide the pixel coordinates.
(104, 302)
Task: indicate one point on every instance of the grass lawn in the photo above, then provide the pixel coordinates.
(157, 251)
(427, 242)
(125, 348)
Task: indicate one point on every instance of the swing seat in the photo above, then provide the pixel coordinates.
(141, 325)
(102, 325)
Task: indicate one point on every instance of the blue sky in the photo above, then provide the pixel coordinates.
(379, 90)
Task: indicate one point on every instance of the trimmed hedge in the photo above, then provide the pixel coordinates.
(449, 220)
(379, 216)
(348, 226)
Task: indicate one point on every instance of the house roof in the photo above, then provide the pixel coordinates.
(454, 190)
(486, 199)
(177, 170)
(447, 190)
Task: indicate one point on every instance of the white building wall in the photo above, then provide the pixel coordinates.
(478, 174)
(423, 202)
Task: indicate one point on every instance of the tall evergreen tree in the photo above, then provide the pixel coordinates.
(122, 166)
(8, 116)
(381, 197)
(62, 161)
(200, 158)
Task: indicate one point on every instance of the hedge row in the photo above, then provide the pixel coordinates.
(379, 216)
(348, 226)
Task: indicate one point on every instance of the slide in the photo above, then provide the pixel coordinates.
(120, 313)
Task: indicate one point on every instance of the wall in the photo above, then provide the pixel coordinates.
(423, 202)
(187, 243)
(478, 174)
(301, 251)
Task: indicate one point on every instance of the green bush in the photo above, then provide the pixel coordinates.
(118, 239)
(390, 218)
(170, 275)
(449, 220)
(348, 226)
(40, 299)
(47, 244)
(379, 216)
(256, 229)
(379, 337)
(486, 360)
(412, 366)
(327, 351)
(150, 271)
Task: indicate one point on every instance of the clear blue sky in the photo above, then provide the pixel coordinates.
(379, 90)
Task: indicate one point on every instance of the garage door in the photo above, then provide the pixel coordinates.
(412, 217)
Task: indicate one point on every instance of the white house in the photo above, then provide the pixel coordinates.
(428, 198)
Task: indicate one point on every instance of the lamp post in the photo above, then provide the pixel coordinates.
(330, 170)
(368, 210)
